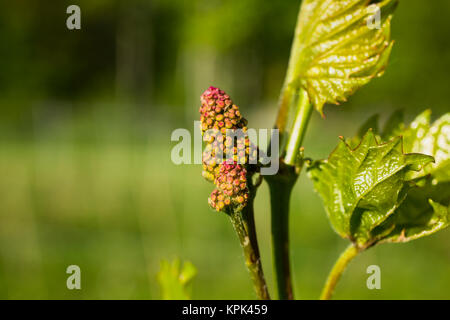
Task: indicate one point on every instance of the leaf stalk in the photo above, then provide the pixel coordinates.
(337, 270)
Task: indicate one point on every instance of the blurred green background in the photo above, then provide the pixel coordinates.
(85, 123)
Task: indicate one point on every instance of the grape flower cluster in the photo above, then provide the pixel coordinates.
(226, 156)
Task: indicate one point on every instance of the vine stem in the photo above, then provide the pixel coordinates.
(244, 224)
(337, 270)
(280, 187)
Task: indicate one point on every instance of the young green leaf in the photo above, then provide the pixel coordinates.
(175, 280)
(362, 187)
(337, 49)
(419, 137)
(416, 215)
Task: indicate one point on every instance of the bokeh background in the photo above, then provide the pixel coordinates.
(86, 118)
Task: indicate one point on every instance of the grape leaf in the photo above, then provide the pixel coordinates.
(336, 50)
(420, 214)
(419, 137)
(362, 187)
(417, 215)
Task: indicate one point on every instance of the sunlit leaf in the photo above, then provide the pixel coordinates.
(420, 136)
(421, 211)
(337, 50)
(432, 139)
(362, 187)
(425, 209)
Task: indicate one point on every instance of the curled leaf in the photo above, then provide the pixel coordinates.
(422, 206)
(362, 187)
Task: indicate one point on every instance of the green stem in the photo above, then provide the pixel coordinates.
(304, 110)
(337, 271)
(280, 187)
(244, 224)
